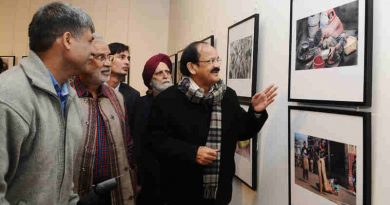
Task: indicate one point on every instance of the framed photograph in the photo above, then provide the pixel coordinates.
(331, 52)
(209, 40)
(245, 158)
(8, 61)
(178, 76)
(242, 57)
(329, 156)
(173, 58)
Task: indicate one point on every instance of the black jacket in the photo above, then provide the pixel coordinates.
(130, 96)
(148, 167)
(178, 127)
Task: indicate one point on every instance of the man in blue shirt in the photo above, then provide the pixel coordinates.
(40, 125)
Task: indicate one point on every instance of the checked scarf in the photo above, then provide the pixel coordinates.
(214, 98)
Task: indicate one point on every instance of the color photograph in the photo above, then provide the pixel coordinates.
(326, 168)
(328, 39)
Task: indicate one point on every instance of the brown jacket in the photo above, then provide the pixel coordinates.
(124, 194)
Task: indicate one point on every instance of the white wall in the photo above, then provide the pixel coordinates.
(142, 24)
(195, 19)
(148, 35)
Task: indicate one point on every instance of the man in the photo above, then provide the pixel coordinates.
(40, 124)
(305, 161)
(119, 69)
(195, 126)
(157, 77)
(107, 147)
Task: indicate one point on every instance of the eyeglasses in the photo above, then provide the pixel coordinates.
(102, 57)
(123, 57)
(211, 61)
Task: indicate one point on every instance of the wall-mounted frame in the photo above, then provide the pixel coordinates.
(209, 40)
(329, 156)
(242, 57)
(245, 158)
(8, 62)
(173, 59)
(331, 52)
(178, 75)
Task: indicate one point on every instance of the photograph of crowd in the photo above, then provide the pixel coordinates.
(241, 58)
(328, 39)
(326, 168)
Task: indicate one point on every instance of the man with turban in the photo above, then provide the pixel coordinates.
(157, 77)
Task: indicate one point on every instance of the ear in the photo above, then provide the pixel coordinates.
(66, 39)
(191, 68)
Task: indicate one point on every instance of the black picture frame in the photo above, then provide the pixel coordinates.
(209, 40)
(241, 63)
(7, 63)
(245, 158)
(338, 154)
(173, 59)
(346, 75)
(178, 75)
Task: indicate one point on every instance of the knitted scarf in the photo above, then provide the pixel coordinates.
(214, 98)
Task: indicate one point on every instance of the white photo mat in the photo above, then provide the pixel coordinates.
(345, 127)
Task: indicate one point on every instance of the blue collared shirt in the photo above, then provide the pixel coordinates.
(62, 91)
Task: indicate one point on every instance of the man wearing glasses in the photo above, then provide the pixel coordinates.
(194, 128)
(119, 69)
(107, 147)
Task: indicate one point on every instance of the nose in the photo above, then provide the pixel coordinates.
(107, 63)
(126, 61)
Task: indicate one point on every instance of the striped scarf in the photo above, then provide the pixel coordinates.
(214, 98)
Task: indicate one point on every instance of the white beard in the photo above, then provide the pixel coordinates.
(159, 87)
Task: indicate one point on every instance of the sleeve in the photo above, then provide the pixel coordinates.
(13, 130)
(249, 122)
(163, 142)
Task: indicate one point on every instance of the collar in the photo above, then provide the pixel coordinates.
(39, 75)
(117, 87)
(81, 90)
(195, 86)
(61, 90)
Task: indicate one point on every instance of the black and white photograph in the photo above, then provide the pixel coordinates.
(242, 56)
(329, 156)
(330, 52)
(245, 158)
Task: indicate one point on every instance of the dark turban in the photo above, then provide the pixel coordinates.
(151, 65)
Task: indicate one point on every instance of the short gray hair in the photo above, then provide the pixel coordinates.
(53, 20)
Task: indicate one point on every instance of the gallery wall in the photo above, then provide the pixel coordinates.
(196, 19)
(142, 24)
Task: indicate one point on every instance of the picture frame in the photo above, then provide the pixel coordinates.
(330, 59)
(334, 159)
(173, 59)
(241, 64)
(8, 62)
(245, 158)
(178, 75)
(209, 40)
